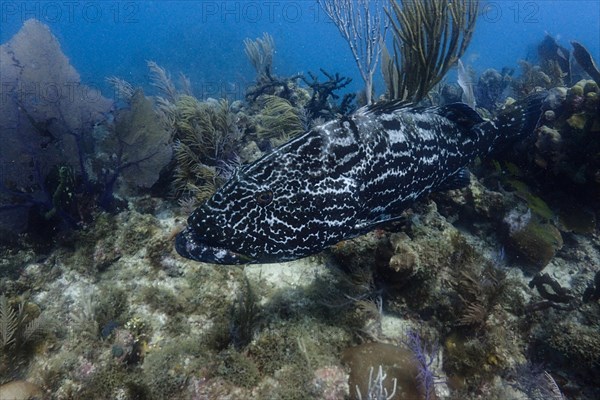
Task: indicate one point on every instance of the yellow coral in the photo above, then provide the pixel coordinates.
(577, 121)
(279, 120)
(206, 133)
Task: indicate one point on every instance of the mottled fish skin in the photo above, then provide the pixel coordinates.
(343, 178)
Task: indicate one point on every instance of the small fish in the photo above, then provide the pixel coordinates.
(344, 178)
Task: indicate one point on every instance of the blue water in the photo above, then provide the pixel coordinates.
(204, 39)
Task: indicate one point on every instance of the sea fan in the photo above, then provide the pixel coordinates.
(424, 359)
(14, 332)
(536, 383)
(8, 322)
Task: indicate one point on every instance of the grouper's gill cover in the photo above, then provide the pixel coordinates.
(344, 178)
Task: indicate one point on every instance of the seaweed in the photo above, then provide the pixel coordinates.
(83, 318)
(237, 368)
(206, 147)
(279, 121)
(19, 329)
(479, 294)
(260, 53)
(592, 292)
(245, 314)
(429, 38)
(554, 294)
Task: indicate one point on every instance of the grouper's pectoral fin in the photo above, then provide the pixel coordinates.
(459, 180)
(366, 225)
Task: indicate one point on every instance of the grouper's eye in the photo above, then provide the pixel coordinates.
(264, 198)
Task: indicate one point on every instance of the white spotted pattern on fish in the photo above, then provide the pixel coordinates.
(344, 178)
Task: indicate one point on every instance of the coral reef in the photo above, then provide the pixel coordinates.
(286, 88)
(490, 291)
(318, 102)
(69, 152)
(553, 56)
(565, 149)
(260, 54)
(491, 87)
(204, 137)
(158, 326)
(532, 77)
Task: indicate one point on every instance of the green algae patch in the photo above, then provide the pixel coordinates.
(535, 203)
(536, 243)
(237, 368)
(577, 121)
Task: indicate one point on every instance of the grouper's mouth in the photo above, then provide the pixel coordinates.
(189, 245)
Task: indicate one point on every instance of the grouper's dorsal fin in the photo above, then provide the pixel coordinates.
(461, 114)
(387, 106)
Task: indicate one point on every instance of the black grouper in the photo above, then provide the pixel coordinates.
(344, 178)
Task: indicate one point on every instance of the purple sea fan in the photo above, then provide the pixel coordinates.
(424, 360)
(45, 115)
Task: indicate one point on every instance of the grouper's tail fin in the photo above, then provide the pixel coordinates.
(516, 121)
